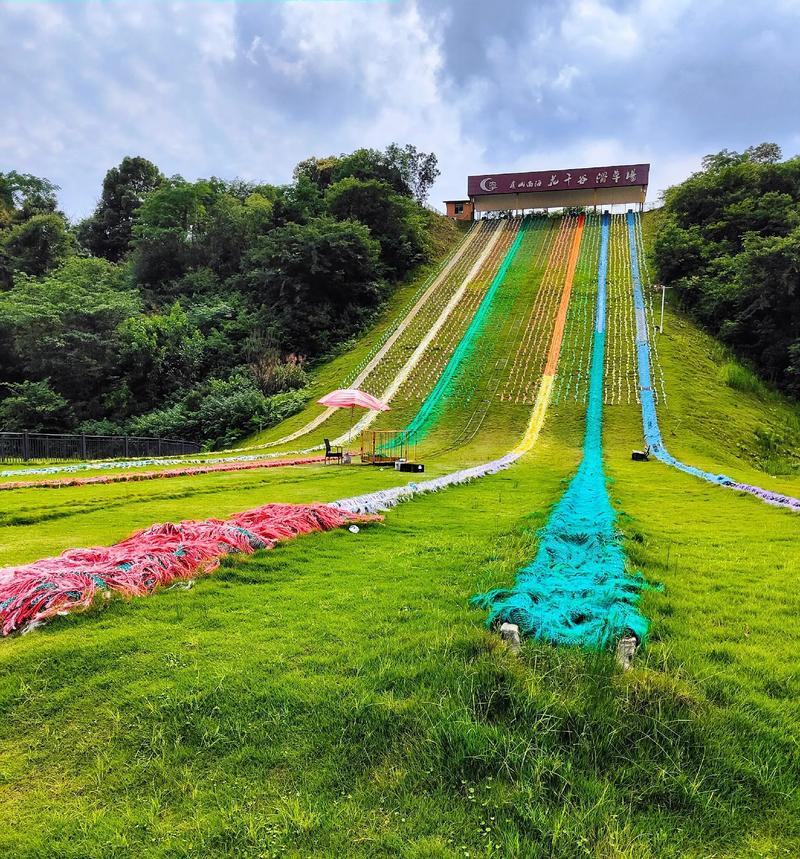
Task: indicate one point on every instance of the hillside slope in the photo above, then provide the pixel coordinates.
(339, 696)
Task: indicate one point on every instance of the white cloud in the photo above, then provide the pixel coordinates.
(250, 89)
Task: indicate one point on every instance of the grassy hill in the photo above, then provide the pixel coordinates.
(338, 696)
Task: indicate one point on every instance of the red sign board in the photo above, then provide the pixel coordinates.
(558, 180)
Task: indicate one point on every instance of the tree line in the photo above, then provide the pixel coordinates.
(730, 244)
(194, 309)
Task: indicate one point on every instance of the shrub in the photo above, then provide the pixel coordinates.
(741, 379)
(219, 411)
(33, 406)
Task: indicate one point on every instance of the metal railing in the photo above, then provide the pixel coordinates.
(29, 446)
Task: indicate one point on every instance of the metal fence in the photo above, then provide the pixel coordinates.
(28, 446)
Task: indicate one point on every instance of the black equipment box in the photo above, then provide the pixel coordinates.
(416, 467)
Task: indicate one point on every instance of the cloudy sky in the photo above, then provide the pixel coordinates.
(249, 88)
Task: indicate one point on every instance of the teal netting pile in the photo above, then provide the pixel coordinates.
(577, 590)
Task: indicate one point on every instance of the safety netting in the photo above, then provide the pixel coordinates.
(652, 431)
(577, 590)
(132, 476)
(31, 594)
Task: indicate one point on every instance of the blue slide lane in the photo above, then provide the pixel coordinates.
(652, 431)
(577, 591)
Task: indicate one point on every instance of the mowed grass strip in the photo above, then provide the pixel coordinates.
(39, 522)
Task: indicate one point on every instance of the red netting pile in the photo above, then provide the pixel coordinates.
(33, 593)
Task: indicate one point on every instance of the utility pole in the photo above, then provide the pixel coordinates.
(663, 294)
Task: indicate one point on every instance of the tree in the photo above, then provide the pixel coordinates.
(720, 160)
(369, 164)
(316, 170)
(39, 244)
(317, 283)
(107, 233)
(393, 220)
(63, 327)
(33, 406)
(297, 203)
(729, 243)
(404, 168)
(165, 230)
(163, 352)
(23, 195)
(764, 153)
(191, 235)
(419, 169)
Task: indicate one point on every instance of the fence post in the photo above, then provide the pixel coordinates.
(26, 447)
(83, 445)
(159, 447)
(126, 447)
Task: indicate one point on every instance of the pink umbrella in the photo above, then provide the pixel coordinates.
(351, 397)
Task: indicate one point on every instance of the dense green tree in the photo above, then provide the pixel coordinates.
(64, 328)
(317, 282)
(165, 230)
(38, 245)
(33, 406)
(22, 196)
(107, 233)
(418, 169)
(730, 243)
(763, 153)
(318, 171)
(162, 351)
(155, 332)
(185, 228)
(297, 203)
(395, 221)
(369, 164)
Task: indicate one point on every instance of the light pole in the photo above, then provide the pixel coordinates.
(663, 294)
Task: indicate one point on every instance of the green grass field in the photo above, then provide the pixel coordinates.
(339, 697)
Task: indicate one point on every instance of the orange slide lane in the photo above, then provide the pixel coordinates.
(561, 317)
(545, 392)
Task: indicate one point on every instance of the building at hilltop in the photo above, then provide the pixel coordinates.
(552, 189)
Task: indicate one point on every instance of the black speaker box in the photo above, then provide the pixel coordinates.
(416, 467)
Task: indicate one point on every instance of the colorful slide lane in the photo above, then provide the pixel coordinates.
(32, 593)
(383, 499)
(652, 431)
(545, 392)
(473, 401)
(576, 591)
(420, 423)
